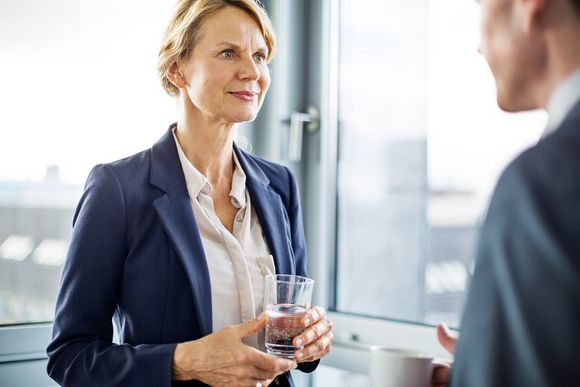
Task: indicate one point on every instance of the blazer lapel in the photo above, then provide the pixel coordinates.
(174, 211)
(271, 213)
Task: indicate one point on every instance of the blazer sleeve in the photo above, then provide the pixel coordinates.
(298, 244)
(521, 324)
(82, 352)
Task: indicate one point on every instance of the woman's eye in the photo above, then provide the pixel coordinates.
(227, 54)
(260, 58)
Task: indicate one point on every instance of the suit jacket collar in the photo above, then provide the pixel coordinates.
(271, 212)
(176, 216)
(166, 172)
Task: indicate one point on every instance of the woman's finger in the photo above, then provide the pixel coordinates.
(268, 363)
(314, 314)
(317, 356)
(265, 383)
(249, 327)
(259, 375)
(317, 349)
(253, 375)
(313, 332)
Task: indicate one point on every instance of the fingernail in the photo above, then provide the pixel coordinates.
(299, 355)
(306, 321)
(294, 365)
(298, 342)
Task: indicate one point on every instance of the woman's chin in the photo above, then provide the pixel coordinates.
(243, 117)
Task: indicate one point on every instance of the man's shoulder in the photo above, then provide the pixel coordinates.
(553, 156)
(540, 182)
(562, 145)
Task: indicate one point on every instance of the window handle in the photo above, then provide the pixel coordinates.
(298, 121)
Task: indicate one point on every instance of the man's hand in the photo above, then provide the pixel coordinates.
(448, 340)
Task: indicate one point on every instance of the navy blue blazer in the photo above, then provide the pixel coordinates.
(521, 325)
(136, 257)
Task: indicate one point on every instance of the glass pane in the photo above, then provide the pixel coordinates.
(79, 87)
(422, 144)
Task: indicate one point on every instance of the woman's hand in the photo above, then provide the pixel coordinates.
(221, 359)
(316, 338)
(448, 340)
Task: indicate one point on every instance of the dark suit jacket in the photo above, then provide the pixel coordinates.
(136, 256)
(521, 325)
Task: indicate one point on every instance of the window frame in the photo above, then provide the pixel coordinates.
(23, 354)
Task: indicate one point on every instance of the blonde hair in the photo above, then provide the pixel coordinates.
(183, 31)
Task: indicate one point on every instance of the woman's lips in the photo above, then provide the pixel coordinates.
(247, 96)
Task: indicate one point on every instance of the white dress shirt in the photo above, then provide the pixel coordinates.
(562, 101)
(238, 261)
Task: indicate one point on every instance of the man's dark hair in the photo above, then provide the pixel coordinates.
(576, 4)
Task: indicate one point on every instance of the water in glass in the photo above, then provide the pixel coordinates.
(285, 321)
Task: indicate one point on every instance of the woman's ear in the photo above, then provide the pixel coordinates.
(175, 76)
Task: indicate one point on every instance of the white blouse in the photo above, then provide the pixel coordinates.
(237, 261)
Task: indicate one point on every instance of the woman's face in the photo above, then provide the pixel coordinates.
(226, 76)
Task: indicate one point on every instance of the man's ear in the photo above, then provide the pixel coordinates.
(532, 14)
(175, 76)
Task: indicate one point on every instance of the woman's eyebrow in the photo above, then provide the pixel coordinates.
(238, 47)
(228, 43)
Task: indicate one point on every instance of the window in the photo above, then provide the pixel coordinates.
(422, 144)
(79, 88)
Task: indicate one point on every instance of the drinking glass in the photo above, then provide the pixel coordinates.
(286, 300)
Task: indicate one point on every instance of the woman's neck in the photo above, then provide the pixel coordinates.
(208, 146)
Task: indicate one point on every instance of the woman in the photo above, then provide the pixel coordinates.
(173, 243)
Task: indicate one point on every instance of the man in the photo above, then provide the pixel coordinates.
(521, 324)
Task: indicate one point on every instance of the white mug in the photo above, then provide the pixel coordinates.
(397, 367)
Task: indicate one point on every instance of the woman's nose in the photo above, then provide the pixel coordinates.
(249, 69)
